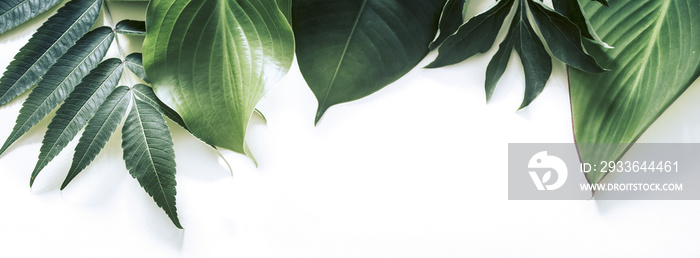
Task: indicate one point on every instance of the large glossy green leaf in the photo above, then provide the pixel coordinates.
(16, 12)
(286, 8)
(77, 110)
(60, 80)
(656, 57)
(213, 60)
(98, 131)
(149, 155)
(49, 43)
(347, 50)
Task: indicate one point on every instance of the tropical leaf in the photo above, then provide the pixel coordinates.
(213, 76)
(60, 80)
(572, 10)
(134, 62)
(347, 50)
(146, 94)
(286, 8)
(656, 58)
(16, 12)
(536, 62)
(131, 27)
(477, 35)
(98, 131)
(450, 20)
(149, 155)
(78, 109)
(49, 43)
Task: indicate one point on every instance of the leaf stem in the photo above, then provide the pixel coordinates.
(111, 25)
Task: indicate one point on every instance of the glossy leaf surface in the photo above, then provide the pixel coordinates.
(16, 12)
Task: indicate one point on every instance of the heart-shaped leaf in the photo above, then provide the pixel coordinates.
(49, 43)
(656, 58)
(16, 12)
(349, 49)
(214, 75)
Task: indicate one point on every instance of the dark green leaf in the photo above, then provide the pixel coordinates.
(98, 131)
(77, 110)
(573, 11)
(146, 94)
(49, 43)
(131, 27)
(475, 36)
(656, 58)
(149, 155)
(16, 12)
(563, 38)
(213, 76)
(347, 50)
(134, 63)
(286, 8)
(536, 62)
(60, 80)
(450, 20)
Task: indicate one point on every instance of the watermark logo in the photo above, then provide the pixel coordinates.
(543, 161)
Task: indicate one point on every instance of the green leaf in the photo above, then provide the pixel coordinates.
(656, 58)
(16, 12)
(214, 75)
(475, 36)
(286, 8)
(49, 43)
(78, 109)
(98, 131)
(450, 20)
(131, 27)
(536, 62)
(146, 94)
(563, 38)
(135, 64)
(347, 50)
(573, 11)
(60, 80)
(149, 155)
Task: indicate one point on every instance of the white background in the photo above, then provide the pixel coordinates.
(418, 169)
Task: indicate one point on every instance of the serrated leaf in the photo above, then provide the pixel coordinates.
(60, 80)
(656, 58)
(536, 62)
(563, 38)
(49, 43)
(98, 131)
(477, 35)
(572, 10)
(213, 76)
(149, 155)
(131, 27)
(77, 110)
(347, 50)
(135, 64)
(16, 12)
(146, 94)
(450, 20)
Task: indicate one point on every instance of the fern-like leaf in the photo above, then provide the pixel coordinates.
(149, 155)
(98, 131)
(61, 80)
(79, 107)
(15, 12)
(146, 94)
(50, 42)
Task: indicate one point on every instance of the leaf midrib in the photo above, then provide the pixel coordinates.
(654, 40)
(345, 50)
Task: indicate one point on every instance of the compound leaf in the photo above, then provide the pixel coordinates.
(16, 12)
(347, 50)
(60, 80)
(135, 64)
(146, 94)
(98, 131)
(656, 58)
(78, 108)
(49, 43)
(149, 155)
(214, 76)
(131, 27)
(451, 18)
